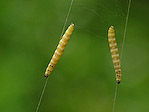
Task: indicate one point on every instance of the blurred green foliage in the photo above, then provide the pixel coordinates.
(84, 78)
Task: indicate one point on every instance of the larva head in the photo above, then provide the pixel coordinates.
(49, 69)
(118, 81)
(47, 73)
(118, 78)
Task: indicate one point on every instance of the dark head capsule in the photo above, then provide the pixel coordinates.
(46, 76)
(118, 82)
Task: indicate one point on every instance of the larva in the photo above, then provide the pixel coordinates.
(59, 51)
(114, 53)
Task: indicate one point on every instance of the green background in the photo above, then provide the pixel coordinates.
(84, 78)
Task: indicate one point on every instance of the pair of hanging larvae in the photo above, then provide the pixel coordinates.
(63, 42)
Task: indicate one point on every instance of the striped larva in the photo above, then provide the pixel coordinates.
(114, 53)
(59, 51)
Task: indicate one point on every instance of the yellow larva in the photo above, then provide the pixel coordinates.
(59, 51)
(114, 53)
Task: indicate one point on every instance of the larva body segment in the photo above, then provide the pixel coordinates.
(59, 51)
(114, 53)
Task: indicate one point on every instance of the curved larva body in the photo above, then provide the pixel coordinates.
(59, 51)
(114, 53)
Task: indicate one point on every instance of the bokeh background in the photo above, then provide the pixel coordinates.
(84, 78)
